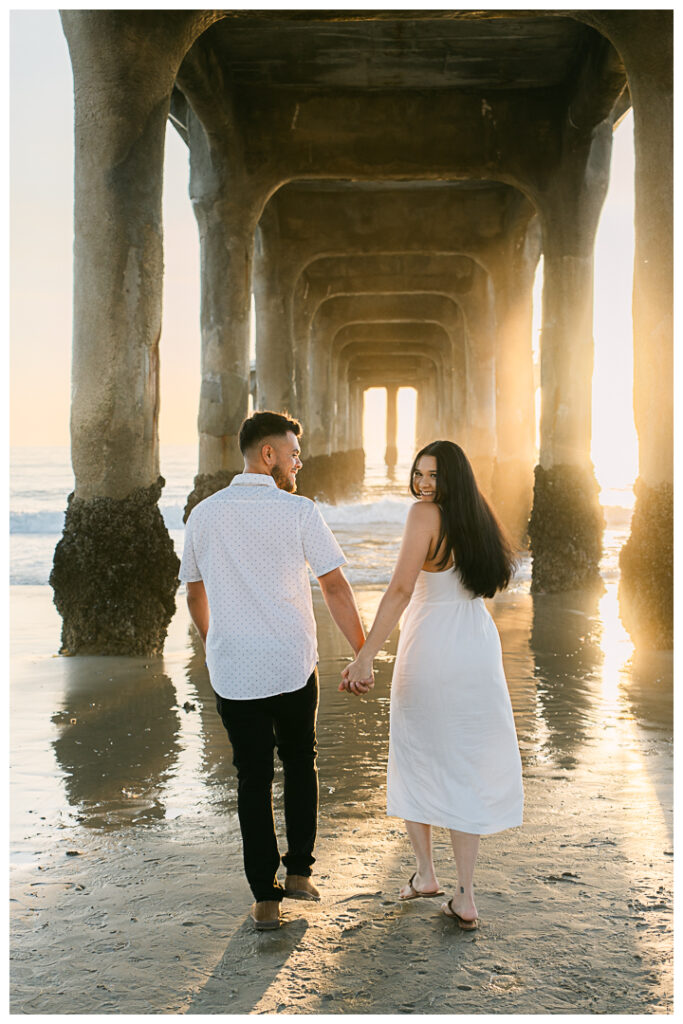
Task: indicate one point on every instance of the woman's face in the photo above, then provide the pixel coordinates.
(424, 477)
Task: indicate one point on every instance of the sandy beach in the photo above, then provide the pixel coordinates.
(128, 894)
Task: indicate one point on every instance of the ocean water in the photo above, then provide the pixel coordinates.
(368, 529)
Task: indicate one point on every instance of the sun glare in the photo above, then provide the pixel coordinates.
(614, 443)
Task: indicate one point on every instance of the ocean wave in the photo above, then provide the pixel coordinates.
(386, 510)
(36, 522)
(617, 515)
(173, 516)
(51, 522)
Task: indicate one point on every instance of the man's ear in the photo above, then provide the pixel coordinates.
(268, 454)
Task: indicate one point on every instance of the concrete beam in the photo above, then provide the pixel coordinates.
(511, 136)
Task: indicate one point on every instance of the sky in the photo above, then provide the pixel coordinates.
(41, 240)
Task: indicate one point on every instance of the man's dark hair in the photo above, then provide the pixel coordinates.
(261, 425)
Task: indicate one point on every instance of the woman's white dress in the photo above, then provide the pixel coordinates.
(453, 752)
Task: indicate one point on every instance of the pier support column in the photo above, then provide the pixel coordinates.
(273, 300)
(427, 416)
(352, 456)
(340, 436)
(391, 452)
(318, 397)
(356, 418)
(567, 521)
(319, 389)
(513, 475)
(226, 220)
(480, 405)
(115, 570)
(646, 585)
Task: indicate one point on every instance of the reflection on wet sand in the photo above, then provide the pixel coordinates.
(565, 642)
(571, 674)
(512, 615)
(117, 739)
(573, 679)
(352, 733)
(216, 755)
(648, 690)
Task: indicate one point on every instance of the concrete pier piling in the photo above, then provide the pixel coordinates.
(115, 570)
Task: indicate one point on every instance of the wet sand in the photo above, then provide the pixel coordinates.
(128, 894)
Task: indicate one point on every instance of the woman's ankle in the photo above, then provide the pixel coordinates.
(425, 875)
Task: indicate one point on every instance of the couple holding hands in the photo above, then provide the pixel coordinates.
(453, 755)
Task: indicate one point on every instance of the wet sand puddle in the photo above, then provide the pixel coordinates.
(128, 894)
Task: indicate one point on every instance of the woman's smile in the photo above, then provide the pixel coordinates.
(424, 478)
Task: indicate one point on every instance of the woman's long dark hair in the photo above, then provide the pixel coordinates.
(470, 531)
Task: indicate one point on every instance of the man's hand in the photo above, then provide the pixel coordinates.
(358, 677)
(357, 688)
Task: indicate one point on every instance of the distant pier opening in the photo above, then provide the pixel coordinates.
(380, 450)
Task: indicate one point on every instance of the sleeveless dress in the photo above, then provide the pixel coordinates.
(453, 754)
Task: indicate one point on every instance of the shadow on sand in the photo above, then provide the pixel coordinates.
(234, 986)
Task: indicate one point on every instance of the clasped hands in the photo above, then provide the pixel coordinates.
(358, 677)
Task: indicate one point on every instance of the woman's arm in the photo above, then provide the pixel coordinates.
(422, 529)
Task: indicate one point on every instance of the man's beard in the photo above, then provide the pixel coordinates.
(282, 480)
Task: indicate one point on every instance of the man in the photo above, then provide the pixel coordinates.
(245, 563)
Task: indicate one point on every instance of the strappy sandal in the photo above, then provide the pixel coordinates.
(416, 894)
(448, 911)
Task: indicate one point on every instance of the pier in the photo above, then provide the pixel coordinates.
(383, 183)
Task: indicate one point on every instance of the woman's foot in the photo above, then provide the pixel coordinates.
(461, 906)
(420, 885)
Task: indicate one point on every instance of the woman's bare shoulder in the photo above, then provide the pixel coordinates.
(424, 515)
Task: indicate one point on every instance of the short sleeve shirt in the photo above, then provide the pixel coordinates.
(251, 544)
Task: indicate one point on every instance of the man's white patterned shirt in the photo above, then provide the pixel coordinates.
(251, 544)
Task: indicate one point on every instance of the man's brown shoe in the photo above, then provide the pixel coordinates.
(299, 887)
(266, 915)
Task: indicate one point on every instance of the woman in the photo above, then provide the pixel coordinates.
(453, 754)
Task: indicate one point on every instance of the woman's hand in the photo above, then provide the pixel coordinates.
(358, 676)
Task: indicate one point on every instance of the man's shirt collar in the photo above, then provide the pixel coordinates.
(252, 480)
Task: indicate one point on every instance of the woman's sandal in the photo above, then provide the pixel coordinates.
(418, 893)
(448, 911)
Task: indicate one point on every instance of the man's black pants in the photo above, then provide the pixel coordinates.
(254, 728)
